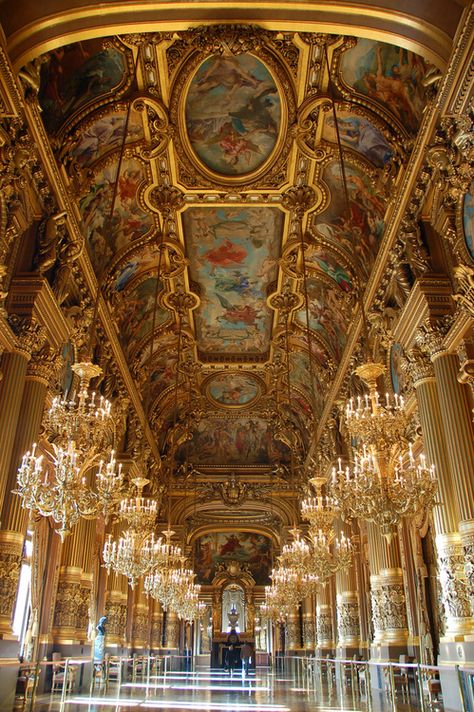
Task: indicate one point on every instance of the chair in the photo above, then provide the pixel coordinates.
(59, 673)
(401, 678)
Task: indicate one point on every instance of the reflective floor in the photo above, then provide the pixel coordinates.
(263, 691)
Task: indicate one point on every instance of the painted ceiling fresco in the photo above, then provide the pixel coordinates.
(204, 157)
(233, 254)
(233, 114)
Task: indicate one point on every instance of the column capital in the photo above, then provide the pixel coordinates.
(30, 334)
(431, 336)
(418, 367)
(44, 365)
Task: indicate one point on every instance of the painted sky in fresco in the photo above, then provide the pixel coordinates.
(233, 114)
(468, 220)
(235, 389)
(233, 253)
(360, 134)
(106, 135)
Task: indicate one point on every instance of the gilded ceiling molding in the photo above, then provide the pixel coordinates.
(30, 31)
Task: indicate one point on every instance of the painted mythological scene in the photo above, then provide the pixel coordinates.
(237, 389)
(239, 441)
(106, 135)
(468, 220)
(133, 313)
(222, 547)
(75, 75)
(233, 114)
(390, 75)
(233, 254)
(360, 134)
(362, 229)
(129, 221)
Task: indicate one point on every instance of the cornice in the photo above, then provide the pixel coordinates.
(430, 297)
(31, 295)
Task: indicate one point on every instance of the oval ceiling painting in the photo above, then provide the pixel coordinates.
(232, 389)
(233, 114)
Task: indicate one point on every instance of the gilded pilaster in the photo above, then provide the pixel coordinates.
(157, 627)
(14, 366)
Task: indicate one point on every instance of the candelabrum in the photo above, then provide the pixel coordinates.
(59, 492)
(109, 487)
(139, 512)
(86, 418)
(320, 511)
(386, 482)
(133, 555)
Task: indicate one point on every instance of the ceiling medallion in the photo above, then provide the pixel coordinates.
(232, 109)
(233, 389)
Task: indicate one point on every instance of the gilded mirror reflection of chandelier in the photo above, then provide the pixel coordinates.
(386, 482)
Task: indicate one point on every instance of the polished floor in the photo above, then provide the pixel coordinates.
(215, 690)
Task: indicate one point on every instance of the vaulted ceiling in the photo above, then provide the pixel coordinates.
(223, 228)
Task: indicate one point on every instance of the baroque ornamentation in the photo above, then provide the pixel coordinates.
(31, 335)
(392, 608)
(347, 620)
(10, 563)
(72, 605)
(453, 584)
(324, 627)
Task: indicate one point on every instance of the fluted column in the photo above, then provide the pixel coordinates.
(324, 616)
(116, 597)
(374, 551)
(172, 631)
(157, 627)
(293, 627)
(347, 605)
(14, 518)
(71, 611)
(446, 517)
(140, 619)
(458, 427)
(309, 620)
(14, 366)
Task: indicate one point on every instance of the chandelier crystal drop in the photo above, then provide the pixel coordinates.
(109, 487)
(386, 482)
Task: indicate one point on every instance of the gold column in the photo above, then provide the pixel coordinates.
(14, 517)
(140, 626)
(293, 629)
(116, 598)
(172, 631)
(309, 627)
(157, 626)
(324, 627)
(71, 611)
(446, 517)
(458, 427)
(347, 604)
(14, 366)
(374, 551)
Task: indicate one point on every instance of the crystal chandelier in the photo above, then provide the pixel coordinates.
(109, 487)
(60, 493)
(139, 512)
(132, 555)
(86, 419)
(386, 482)
(320, 510)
